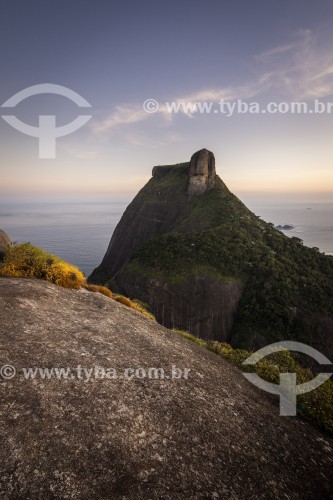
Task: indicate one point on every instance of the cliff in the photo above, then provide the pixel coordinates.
(203, 262)
(212, 435)
(5, 242)
(156, 209)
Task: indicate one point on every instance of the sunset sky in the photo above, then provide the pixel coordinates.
(119, 54)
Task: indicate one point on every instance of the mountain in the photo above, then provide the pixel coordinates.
(210, 435)
(5, 243)
(205, 263)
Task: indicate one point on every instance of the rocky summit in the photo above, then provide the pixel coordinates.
(201, 172)
(212, 435)
(205, 263)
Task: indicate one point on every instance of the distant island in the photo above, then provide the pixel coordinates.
(286, 227)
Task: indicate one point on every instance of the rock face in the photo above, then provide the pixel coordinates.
(5, 242)
(201, 172)
(212, 435)
(200, 304)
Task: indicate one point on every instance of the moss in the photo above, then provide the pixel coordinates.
(176, 175)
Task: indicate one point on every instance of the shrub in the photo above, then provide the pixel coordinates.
(134, 305)
(123, 300)
(99, 289)
(189, 336)
(27, 261)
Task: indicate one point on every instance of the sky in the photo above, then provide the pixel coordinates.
(117, 55)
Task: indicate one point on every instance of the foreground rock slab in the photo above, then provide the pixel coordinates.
(212, 435)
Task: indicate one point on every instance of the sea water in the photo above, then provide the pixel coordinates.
(313, 223)
(77, 232)
(80, 232)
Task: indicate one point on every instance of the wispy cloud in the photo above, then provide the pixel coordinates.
(227, 94)
(122, 115)
(298, 70)
(268, 54)
(128, 114)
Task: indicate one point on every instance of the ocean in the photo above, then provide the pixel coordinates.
(312, 222)
(77, 232)
(80, 232)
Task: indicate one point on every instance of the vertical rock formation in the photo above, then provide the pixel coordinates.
(201, 172)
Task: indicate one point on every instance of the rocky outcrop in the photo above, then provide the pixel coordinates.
(213, 435)
(5, 242)
(201, 172)
(286, 227)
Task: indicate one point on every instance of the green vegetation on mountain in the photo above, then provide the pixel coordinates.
(215, 235)
(280, 274)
